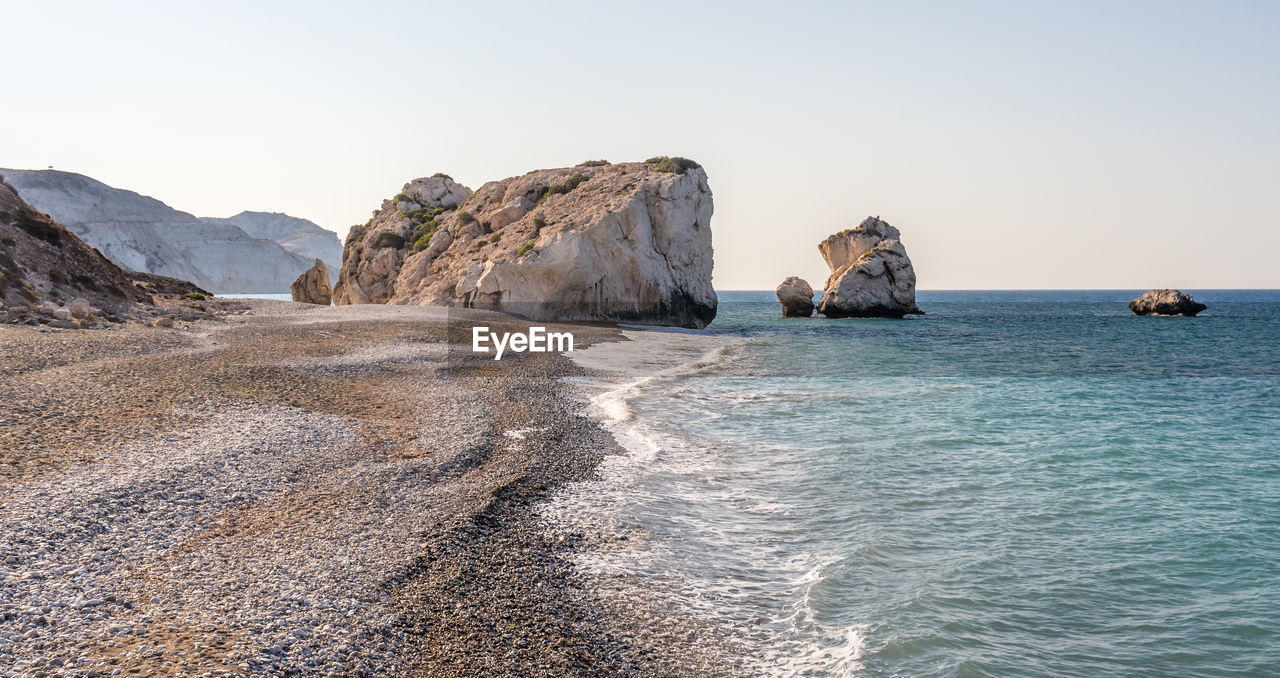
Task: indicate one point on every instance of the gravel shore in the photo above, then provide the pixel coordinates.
(305, 491)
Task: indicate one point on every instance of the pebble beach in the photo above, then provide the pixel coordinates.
(295, 490)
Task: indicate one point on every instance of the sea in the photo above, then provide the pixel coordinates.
(1019, 483)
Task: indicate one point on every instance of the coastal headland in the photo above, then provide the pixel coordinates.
(284, 489)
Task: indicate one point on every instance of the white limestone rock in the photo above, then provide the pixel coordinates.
(299, 236)
(624, 242)
(796, 296)
(143, 234)
(871, 275)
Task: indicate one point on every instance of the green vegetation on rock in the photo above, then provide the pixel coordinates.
(569, 184)
(425, 214)
(426, 228)
(675, 165)
(195, 296)
(594, 163)
(524, 249)
(388, 239)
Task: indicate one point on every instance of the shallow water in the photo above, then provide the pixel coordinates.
(1018, 483)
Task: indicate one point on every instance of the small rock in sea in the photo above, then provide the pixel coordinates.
(871, 275)
(796, 297)
(1166, 302)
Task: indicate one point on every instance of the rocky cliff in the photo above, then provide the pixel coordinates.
(625, 242)
(141, 233)
(300, 236)
(871, 275)
(43, 263)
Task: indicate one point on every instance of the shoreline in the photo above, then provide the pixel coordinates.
(389, 527)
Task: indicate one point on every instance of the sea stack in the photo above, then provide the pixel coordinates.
(1166, 302)
(312, 287)
(871, 275)
(627, 242)
(796, 296)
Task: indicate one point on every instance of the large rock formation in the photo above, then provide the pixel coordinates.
(626, 242)
(45, 265)
(144, 234)
(299, 236)
(796, 296)
(312, 287)
(871, 275)
(1166, 302)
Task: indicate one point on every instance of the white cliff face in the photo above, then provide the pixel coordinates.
(871, 274)
(626, 242)
(299, 236)
(143, 234)
(43, 264)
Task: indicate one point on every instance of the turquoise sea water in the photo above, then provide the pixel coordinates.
(1016, 484)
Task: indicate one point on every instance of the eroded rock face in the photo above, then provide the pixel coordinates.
(45, 268)
(312, 287)
(374, 253)
(299, 236)
(1166, 302)
(871, 275)
(625, 242)
(796, 296)
(140, 233)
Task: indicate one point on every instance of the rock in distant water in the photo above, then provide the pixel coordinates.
(312, 287)
(1166, 302)
(871, 275)
(796, 296)
(624, 242)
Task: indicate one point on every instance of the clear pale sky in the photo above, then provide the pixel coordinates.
(1117, 144)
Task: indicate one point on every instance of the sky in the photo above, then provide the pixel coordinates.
(1016, 145)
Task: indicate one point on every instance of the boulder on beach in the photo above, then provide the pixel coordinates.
(312, 287)
(1166, 302)
(871, 275)
(609, 242)
(796, 296)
